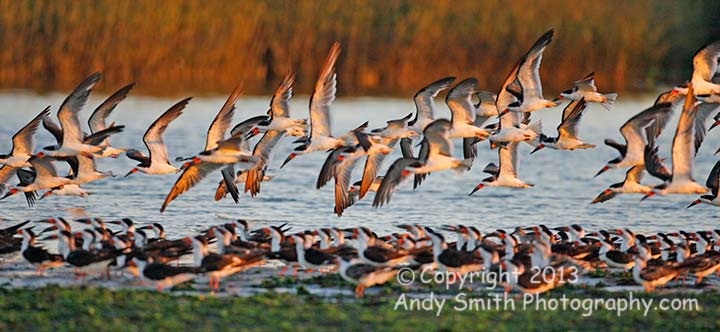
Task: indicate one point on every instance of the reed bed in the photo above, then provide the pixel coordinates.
(390, 47)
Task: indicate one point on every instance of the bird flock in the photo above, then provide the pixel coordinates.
(502, 119)
(532, 259)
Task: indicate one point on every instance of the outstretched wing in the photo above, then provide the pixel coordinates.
(221, 123)
(191, 176)
(73, 104)
(99, 116)
(425, 100)
(529, 71)
(572, 115)
(705, 61)
(397, 172)
(459, 100)
(23, 142)
(324, 95)
(153, 137)
(280, 103)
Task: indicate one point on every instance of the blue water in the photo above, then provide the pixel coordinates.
(564, 179)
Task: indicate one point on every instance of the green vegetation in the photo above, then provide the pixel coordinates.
(98, 309)
(389, 47)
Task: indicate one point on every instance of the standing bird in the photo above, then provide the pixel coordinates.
(567, 130)
(157, 162)
(586, 89)
(321, 138)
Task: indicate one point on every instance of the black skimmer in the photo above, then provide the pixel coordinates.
(633, 131)
(395, 129)
(364, 275)
(688, 137)
(506, 175)
(651, 277)
(321, 138)
(219, 151)
(280, 124)
(615, 258)
(66, 190)
(525, 280)
(528, 77)
(586, 89)
(713, 182)
(97, 121)
(702, 264)
(46, 177)
(484, 110)
(219, 266)
(373, 252)
(459, 100)
(281, 249)
(73, 141)
(84, 260)
(631, 184)
(398, 171)
(705, 64)
(439, 148)
(452, 259)
(164, 276)
(311, 258)
(511, 126)
(567, 130)
(37, 255)
(26, 178)
(157, 160)
(9, 244)
(84, 170)
(23, 143)
(341, 162)
(424, 101)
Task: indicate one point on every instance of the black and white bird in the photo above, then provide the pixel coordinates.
(586, 89)
(713, 182)
(567, 130)
(156, 162)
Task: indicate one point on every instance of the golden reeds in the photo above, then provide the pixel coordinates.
(389, 47)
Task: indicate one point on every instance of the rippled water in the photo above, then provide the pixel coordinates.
(562, 195)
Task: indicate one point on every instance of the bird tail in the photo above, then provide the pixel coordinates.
(463, 165)
(609, 100)
(536, 127)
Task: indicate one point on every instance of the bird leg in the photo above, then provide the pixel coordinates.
(283, 270)
(359, 291)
